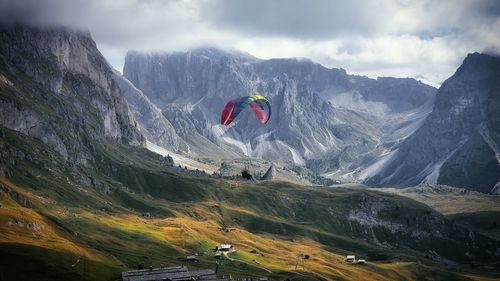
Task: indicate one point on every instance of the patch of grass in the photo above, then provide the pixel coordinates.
(487, 222)
(28, 262)
(448, 200)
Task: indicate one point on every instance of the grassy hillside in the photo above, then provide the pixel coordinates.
(474, 210)
(486, 222)
(449, 200)
(52, 212)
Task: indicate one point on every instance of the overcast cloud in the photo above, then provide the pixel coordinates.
(426, 40)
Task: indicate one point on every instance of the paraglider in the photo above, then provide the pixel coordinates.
(246, 174)
(259, 104)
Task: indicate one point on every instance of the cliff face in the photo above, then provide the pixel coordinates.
(153, 125)
(459, 142)
(57, 87)
(322, 118)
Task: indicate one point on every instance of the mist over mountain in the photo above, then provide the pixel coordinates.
(322, 118)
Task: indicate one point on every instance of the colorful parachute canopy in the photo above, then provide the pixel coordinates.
(259, 104)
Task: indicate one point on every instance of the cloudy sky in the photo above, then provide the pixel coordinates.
(423, 39)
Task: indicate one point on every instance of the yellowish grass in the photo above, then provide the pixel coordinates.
(14, 220)
(186, 233)
(279, 254)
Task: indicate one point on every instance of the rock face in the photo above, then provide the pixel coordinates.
(459, 142)
(153, 125)
(57, 87)
(270, 174)
(21, 199)
(322, 118)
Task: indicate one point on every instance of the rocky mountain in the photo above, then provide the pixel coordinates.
(459, 142)
(153, 125)
(57, 87)
(322, 118)
(77, 184)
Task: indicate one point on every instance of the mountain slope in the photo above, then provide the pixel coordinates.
(476, 210)
(124, 206)
(322, 118)
(63, 93)
(458, 144)
(154, 126)
(191, 215)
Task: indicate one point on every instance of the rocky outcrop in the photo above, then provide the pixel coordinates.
(153, 125)
(19, 198)
(58, 88)
(458, 144)
(270, 174)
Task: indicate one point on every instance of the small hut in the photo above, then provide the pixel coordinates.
(350, 258)
(225, 247)
(191, 259)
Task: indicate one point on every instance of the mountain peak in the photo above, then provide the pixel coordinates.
(214, 52)
(62, 49)
(458, 137)
(480, 61)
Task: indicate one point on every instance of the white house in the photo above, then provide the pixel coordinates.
(191, 259)
(225, 247)
(350, 258)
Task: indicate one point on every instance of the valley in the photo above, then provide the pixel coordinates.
(139, 174)
(110, 230)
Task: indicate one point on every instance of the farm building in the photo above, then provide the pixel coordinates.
(225, 247)
(191, 259)
(177, 273)
(254, 279)
(350, 258)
